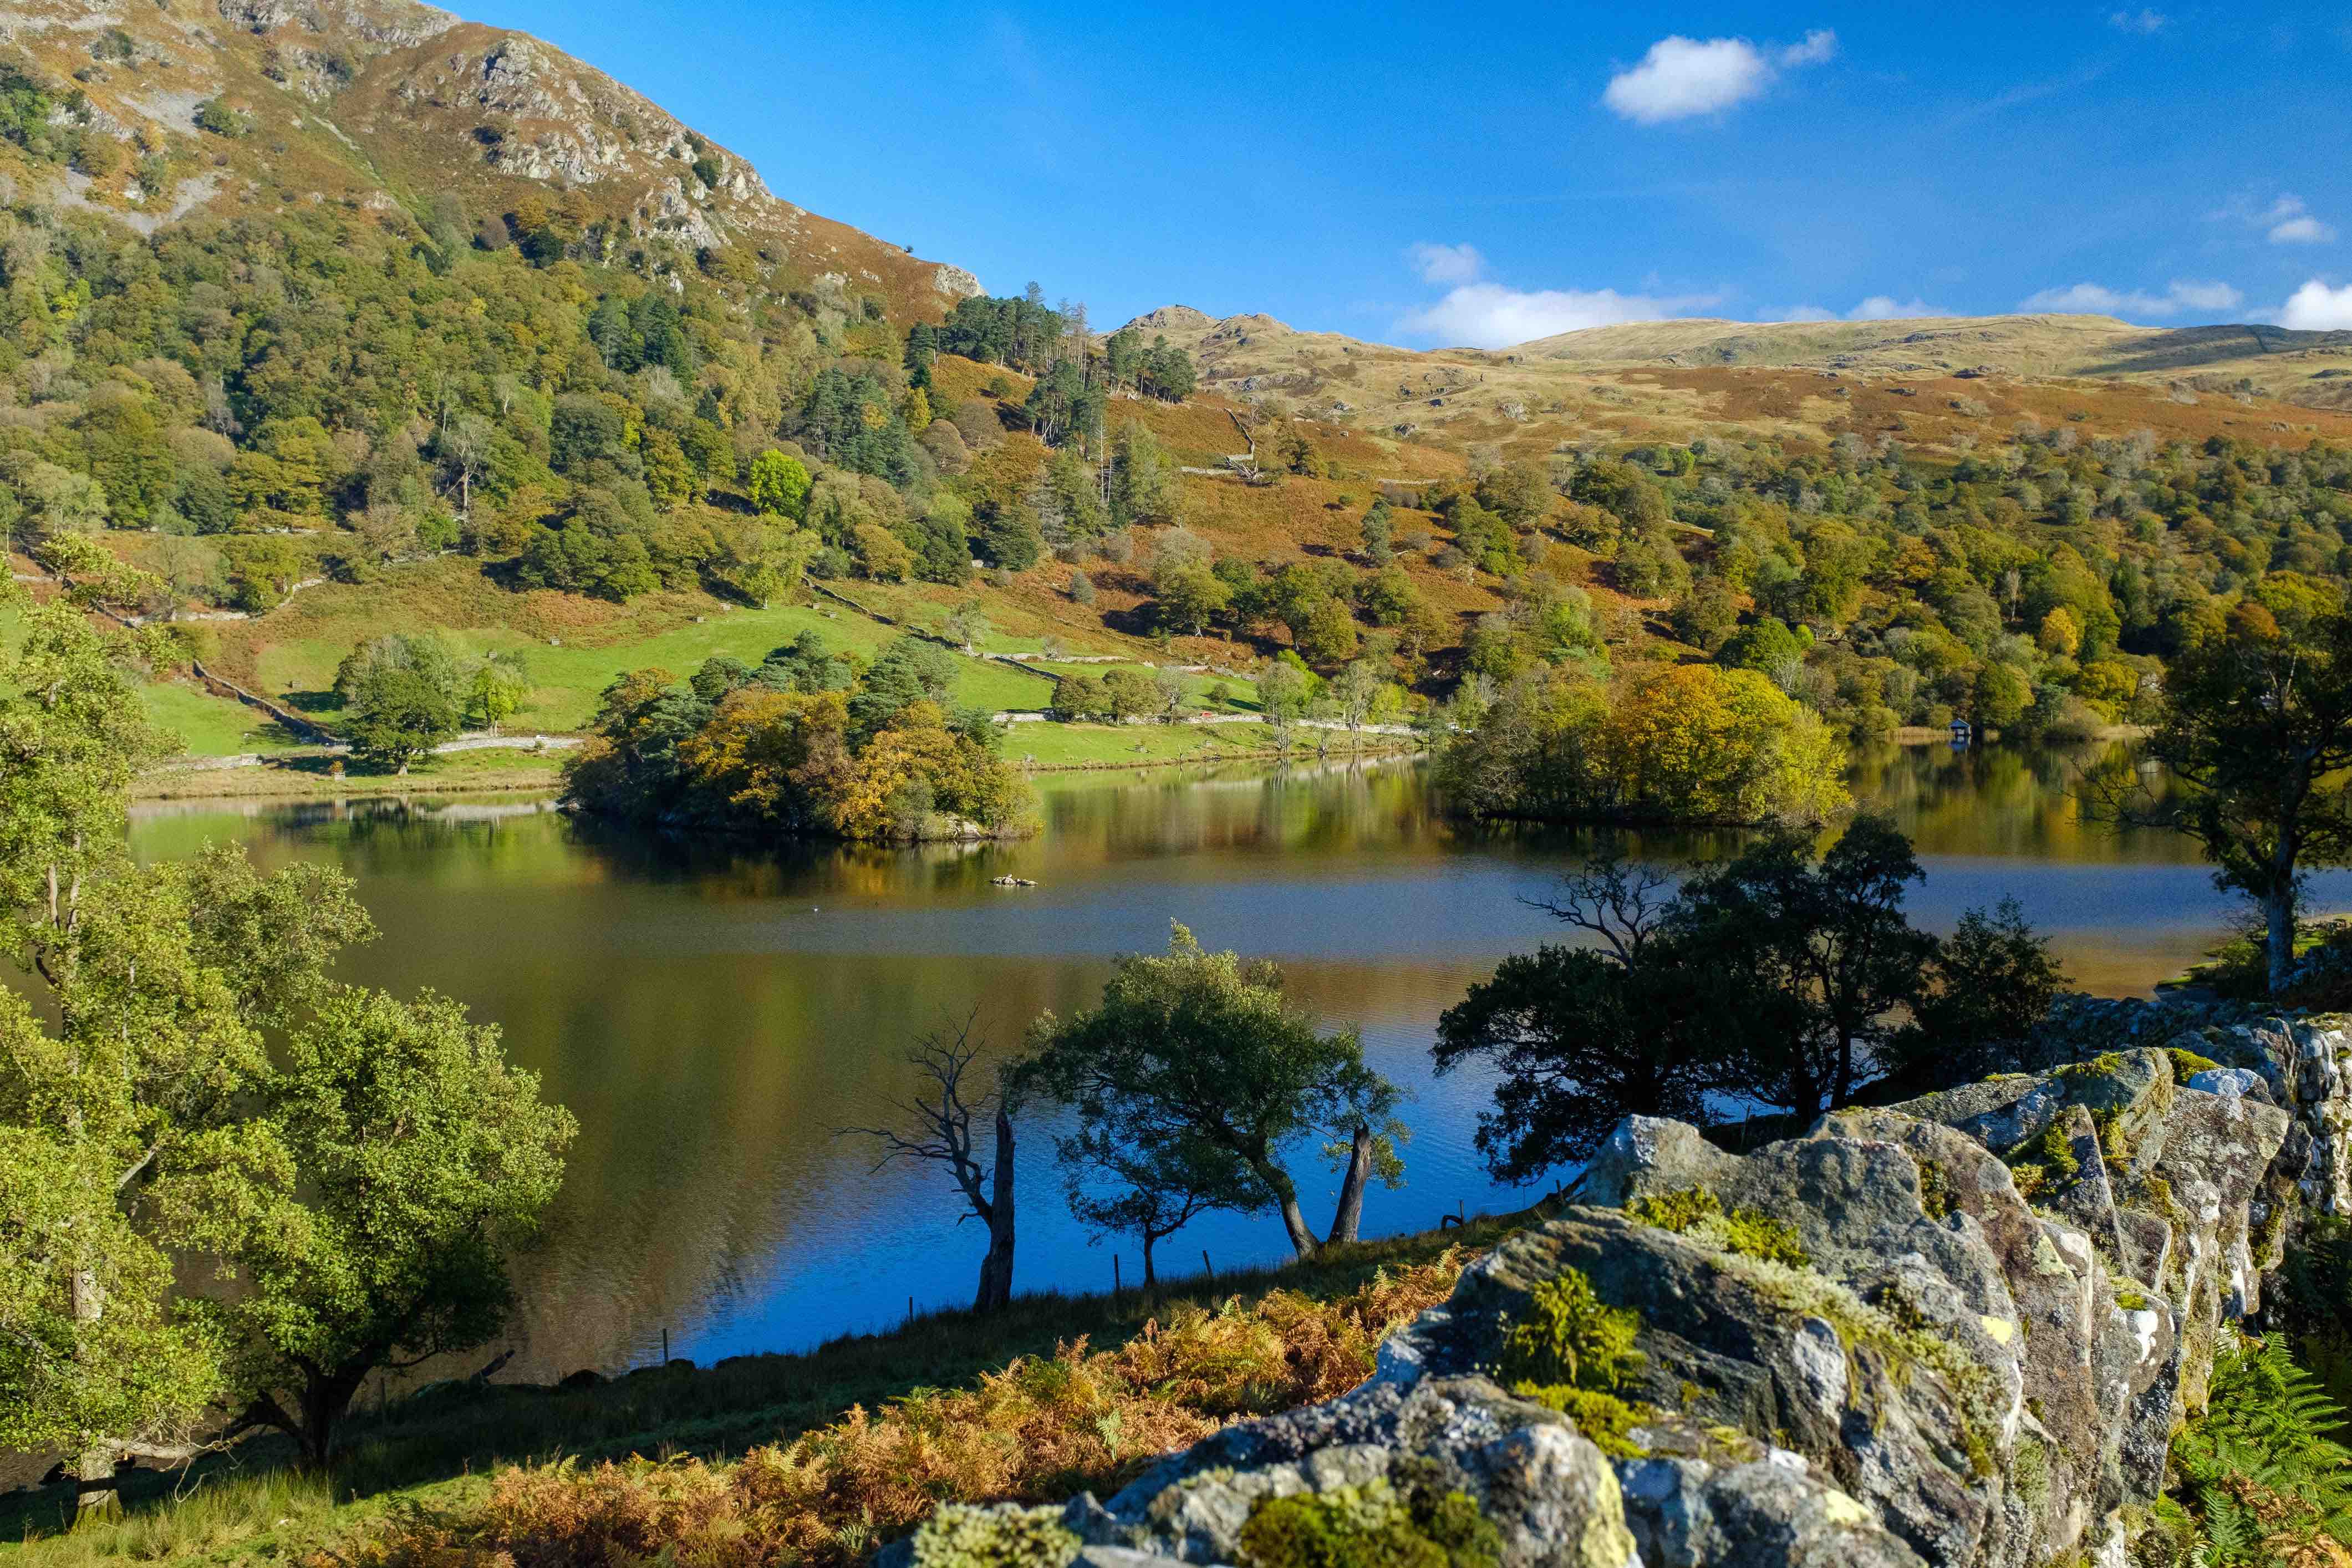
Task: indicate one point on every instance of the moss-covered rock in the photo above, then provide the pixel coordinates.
(1413, 1523)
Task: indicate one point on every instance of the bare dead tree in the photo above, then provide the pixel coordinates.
(936, 1125)
(1621, 904)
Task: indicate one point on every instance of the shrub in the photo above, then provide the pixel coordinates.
(220, 120)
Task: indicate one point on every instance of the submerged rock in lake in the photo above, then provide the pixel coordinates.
(1957, 1331)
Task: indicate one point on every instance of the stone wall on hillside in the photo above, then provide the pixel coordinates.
(1985, 1315)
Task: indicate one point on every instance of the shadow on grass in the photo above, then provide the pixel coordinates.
(311, 702)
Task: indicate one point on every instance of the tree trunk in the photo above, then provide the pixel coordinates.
(96, 1500)
(996, 1269)
(325, 1401)
(1286, 1196)
(1350, 1214)
(2278, 935)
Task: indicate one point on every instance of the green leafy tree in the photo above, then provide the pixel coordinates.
(1080, 696)
(1283, 692)
(497, 690)
(779, 485)
(1143, 488)
(1329, 637)
(1129, 694)
(1378, 533)
(1008, 535)
(402, 697)
(1776, 980)
(1186, 595)
(2257, 739)
(966, 625)
(2002, 695)
(125, 1133)
(764, 561)
(1194, 1056)
(1706, 615)
(1989, 987)
(1816, 959)
(1766, 646)
(1582, 1036)
(1115, 1189)
(426, 1158)
(261, 570)
(1358, 693)
(1168, 372)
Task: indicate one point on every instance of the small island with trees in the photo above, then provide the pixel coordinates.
(804, 745)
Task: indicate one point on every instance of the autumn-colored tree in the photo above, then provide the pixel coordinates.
(1692, 743)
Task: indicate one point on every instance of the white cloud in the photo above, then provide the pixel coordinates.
(2209, 296)
(1887, 308)
(2286, 220)
(2142, 22)
(1446, 263)
(1490, 316)
(2317, 308)
(1680, 78)
(1806, 313)
(2291, 223)
(1819, 49)
(2180, 294)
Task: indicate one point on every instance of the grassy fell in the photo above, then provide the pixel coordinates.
(818, 1457)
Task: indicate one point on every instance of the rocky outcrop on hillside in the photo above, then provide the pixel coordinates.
(378, 103)
(1959, 1330)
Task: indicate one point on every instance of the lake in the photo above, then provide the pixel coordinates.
(711, 1015)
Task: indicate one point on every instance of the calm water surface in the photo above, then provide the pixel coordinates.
(710, 1016)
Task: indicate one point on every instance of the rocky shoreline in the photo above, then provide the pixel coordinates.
(1974, 1325)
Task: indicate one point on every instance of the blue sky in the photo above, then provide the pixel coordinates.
(1431, 174)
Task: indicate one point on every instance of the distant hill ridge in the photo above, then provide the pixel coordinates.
(2299, 364)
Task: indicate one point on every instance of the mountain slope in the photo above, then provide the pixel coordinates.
(386, 105)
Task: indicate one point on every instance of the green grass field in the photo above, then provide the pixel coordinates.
(212, 726)
(308, 776)
(1241, 695)
(566, 679)
(1047, 746)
